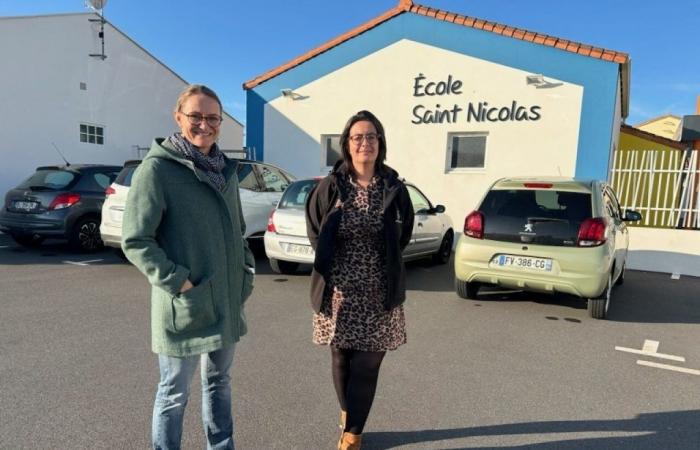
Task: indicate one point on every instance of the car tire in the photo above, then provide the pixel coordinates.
(621, 279)
(85, 235)
(467, 290)
(598, 307)
(285, 267)
(445, 251)
(28, 240)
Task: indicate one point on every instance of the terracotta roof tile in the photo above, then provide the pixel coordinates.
(413, 8)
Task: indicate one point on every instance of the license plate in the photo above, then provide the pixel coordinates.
(525, 262)
(300, 250)
(25, 206)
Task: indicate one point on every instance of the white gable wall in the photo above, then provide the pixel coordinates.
(383, 83)
(130, 94)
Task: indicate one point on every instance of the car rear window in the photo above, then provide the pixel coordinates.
(125, 175)
(49, 180)
(295, 195)
(546, 217)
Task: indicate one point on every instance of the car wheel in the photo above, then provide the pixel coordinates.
(598, 307)
(285, 267)
(85, 235)
(28, 240)
(621, 279)
(443, 254)
(467, 290)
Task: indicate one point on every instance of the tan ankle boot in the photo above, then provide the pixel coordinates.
(349, 441)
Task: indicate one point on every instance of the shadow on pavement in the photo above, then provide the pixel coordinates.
(667, 430)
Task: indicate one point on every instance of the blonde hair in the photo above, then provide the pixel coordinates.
(194, 89)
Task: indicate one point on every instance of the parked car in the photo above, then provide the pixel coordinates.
(287, 245)
(261, 186)
(61, 202)
(546, 235)
(113, 207)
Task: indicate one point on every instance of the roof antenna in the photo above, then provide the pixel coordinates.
(59, 152)
(98, 6)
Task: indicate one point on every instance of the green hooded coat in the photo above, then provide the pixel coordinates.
(178, 226)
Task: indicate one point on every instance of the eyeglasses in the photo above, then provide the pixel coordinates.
(371, 138)
(196, 119)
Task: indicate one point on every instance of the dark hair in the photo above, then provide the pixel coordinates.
(363, 116)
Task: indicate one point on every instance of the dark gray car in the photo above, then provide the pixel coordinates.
(62, 202)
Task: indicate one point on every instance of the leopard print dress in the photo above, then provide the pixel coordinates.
(352, 315)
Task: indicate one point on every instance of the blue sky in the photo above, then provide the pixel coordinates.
(223, 43)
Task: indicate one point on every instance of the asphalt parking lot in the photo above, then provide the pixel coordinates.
(510, 370)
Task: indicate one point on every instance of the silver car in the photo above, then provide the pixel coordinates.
(287, 245)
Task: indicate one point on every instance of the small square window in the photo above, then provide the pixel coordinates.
(92, 134)
(331, 152)
(466, 151)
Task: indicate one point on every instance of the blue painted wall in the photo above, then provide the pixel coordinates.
(598, 78)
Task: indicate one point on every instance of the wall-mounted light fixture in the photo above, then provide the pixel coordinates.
(289, 93)
(539, 82)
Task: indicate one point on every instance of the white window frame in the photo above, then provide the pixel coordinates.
(448, 154)
(87, 133)
(324, 150)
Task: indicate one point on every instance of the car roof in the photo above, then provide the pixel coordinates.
(76, 167)
(554, 183)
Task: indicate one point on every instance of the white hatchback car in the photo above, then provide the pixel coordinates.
(287, 245)
(261, 186)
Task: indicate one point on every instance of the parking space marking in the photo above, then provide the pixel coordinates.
(668, 367)
(650, 349)
(4, 246)
(82, 263)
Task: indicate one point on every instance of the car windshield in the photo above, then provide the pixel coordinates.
(546, 217)
(295, 195)
(48, 179)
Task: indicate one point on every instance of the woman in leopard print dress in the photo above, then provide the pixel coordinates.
(359, 219)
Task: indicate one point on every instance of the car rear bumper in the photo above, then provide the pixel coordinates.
(111, 236)
(577, 271)
(41, 224)
(277, 246)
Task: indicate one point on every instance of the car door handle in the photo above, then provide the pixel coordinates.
(420, 225)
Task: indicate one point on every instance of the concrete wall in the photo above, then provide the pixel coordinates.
(130, 94)
(663, 250)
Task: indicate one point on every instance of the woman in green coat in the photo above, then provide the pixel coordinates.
(183, 228)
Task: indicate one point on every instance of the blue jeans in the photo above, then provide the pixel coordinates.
(173, 392)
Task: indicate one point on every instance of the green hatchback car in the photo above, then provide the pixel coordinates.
(546, 235)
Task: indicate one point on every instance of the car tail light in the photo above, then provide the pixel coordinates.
(271, 222)
(64, 201)
(109, 191)
(592, 232)
(474, 225)
(538, 185)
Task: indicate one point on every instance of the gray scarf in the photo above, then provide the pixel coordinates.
(211, 164)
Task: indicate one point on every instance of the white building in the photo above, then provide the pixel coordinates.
(463, 102)
(58, 90)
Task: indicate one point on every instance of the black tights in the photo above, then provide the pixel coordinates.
(355, 376)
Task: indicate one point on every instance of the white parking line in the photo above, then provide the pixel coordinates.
(668, 367)
(4, 246)
(649, 349)
(82, 263)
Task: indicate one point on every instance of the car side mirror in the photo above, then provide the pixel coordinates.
(632, 216)
(439, 209)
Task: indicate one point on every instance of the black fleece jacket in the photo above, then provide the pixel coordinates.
(323, 218)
